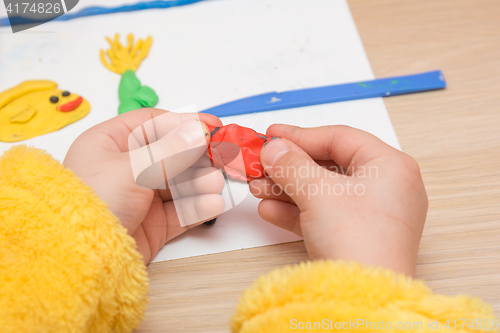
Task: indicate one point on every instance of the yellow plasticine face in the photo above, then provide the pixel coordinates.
(35, 108)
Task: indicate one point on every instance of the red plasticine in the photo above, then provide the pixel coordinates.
(70, 106)
(227, 142)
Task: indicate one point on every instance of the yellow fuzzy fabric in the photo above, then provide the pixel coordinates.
(328, 292)
(66, 263)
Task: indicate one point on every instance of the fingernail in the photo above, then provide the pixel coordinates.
(193, 132)
(273, 150)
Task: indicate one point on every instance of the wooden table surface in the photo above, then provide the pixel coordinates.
(454, 135)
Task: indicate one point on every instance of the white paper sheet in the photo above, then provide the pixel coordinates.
(206, 54)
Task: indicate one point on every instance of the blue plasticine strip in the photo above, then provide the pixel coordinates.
(92, 11)
(337, 93)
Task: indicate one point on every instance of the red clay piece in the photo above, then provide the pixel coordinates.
(226, 144)
(70, 106)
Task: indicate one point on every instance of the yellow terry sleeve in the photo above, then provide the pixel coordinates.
(326, 296)
(66, 263)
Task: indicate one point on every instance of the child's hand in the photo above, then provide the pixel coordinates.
(374, 215)
(101, 158)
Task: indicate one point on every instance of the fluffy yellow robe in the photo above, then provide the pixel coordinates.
(324, 295)
(67, 265)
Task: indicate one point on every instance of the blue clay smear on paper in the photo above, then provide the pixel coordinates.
(93, 11)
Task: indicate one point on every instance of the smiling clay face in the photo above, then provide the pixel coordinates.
(34, 108)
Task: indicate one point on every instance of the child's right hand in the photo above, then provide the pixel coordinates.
(375, 214)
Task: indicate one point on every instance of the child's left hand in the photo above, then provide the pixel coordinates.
(100, 157)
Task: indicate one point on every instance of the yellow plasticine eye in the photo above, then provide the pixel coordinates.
(28, 110)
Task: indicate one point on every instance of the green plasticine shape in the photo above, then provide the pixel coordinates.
(125, 60)
(134, 96)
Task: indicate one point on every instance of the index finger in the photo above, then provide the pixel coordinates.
(342, 144)
(119, 128)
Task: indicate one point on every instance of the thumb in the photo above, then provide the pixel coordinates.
(164, 159)
(292, 169)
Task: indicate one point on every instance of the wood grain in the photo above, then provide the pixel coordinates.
(454, 135)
